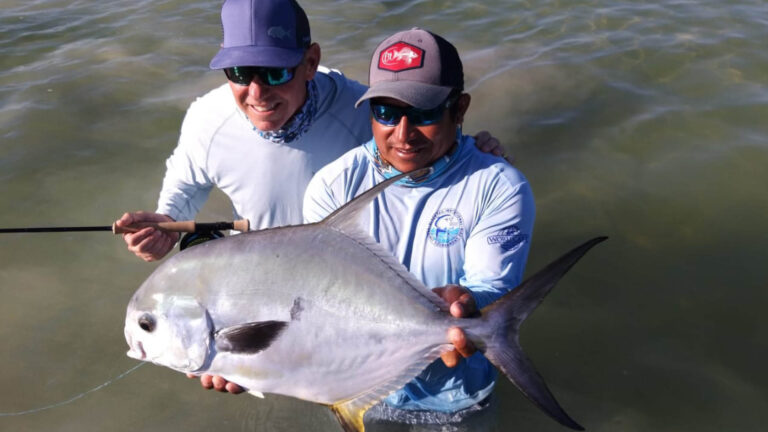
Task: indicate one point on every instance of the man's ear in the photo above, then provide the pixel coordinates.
(462, 105)
(311, 60)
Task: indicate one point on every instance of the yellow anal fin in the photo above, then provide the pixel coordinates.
(350, 413)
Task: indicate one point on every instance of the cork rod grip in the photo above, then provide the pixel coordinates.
(183, 226)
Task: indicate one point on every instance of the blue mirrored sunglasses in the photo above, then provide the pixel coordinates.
(271, 76)
(389, 115)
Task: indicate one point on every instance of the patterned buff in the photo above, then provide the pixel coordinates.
(440, 165)
(299, 123)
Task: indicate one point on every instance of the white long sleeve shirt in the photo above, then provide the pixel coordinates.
(265, 181)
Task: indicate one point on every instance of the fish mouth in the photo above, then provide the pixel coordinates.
(138, 352)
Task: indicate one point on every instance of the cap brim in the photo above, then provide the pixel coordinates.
(256, 56)
(415, 94)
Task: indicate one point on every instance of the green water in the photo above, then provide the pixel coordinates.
(644, 122)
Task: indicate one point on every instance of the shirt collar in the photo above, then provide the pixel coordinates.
(438, 167)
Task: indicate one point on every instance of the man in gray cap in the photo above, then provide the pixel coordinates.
(465, 228)
(288, 118)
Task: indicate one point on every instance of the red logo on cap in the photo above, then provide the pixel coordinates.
(401, 56)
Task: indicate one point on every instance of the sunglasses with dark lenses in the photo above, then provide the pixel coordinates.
(271, 76)
(389, 115)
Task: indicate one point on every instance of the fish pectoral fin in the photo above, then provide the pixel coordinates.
(248, 338)
(350, 413)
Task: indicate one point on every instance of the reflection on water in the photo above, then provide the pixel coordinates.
(645, 122)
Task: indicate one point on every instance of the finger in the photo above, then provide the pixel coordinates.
(125, 220)
(510, 159)
(450, 358)
(134, 240)
(464, 307)
(234, 388)
(191, 376)
(146, 247)
(468, 305)
(160, 244)
(482, 139)
(450, 293)
(494, 146)
(219, 383)
(457, 310)
(206, 381)
(460, 342)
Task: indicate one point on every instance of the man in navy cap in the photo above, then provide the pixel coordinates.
(260, 137)
(288, 118)
(466, 227)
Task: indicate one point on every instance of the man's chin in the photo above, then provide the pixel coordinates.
(270, 121)
(266, 125)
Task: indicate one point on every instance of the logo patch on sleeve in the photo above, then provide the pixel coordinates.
(446, 227)
(509, 238)
(401, 56)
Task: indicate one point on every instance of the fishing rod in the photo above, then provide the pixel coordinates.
(182, 226)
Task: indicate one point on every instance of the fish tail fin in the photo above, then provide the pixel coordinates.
(505, 315)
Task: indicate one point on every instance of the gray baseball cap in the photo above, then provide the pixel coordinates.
(415, 66)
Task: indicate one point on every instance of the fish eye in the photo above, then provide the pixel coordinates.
(147, 323)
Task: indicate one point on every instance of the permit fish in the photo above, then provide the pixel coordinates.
(322, 312)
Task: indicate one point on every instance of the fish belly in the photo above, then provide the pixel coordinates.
(326, 363)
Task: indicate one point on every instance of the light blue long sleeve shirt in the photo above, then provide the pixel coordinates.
(470, 224)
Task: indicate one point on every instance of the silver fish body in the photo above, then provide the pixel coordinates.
(346, 299)
(322, 313)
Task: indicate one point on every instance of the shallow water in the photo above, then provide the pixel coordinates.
(644, 122)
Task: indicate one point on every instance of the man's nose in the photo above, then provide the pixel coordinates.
(403, 130)
(257, 89)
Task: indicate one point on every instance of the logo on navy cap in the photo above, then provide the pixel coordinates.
(279, 32)
(401, 56)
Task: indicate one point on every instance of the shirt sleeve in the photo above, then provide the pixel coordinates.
(497, 247)
(319, 200)
(186, 184)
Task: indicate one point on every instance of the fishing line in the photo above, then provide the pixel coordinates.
(72, 399)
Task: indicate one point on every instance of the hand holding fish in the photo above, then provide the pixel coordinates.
(148, 244)
(218, 383)
(462, 305)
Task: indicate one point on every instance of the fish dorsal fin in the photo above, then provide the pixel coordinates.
(248, 338)
(346, 218)
(350, 413)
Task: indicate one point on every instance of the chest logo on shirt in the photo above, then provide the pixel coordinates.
(446, 227)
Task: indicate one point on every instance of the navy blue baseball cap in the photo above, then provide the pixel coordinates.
(268, 33)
